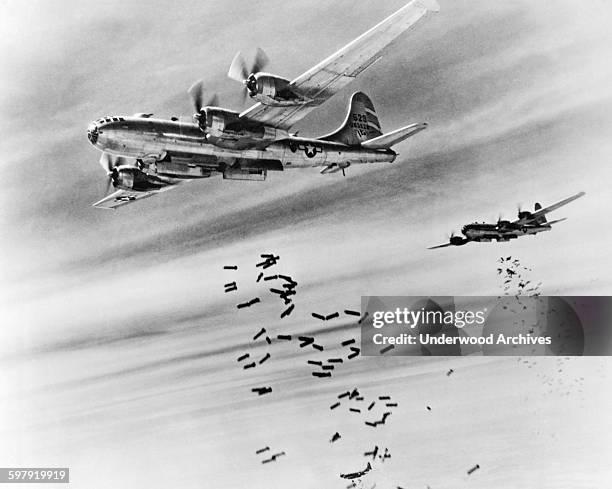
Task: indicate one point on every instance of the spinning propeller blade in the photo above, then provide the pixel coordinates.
(260, 62)
(213, 101)
(109, 181)
(196, 91)
(105, 163)
(239, 71)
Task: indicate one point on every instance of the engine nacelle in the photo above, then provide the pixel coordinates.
(223, 124)
(272, 90)
(525, 215)
(457, 240)
(132, 178)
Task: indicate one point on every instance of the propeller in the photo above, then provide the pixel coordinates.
(196, 91)
(110, 163)
(109, 181)
(453, 240)
(522, 214)
(239, 71)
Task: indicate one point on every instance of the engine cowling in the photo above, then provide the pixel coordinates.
(132, 178)
(272, 90)
(525, 215)
(457, 240)
(226, 125)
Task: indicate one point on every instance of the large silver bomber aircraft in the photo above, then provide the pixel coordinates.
(143, 155)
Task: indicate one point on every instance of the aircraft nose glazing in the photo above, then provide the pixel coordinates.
(92, 133)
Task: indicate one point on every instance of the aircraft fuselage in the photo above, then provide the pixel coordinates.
(495, 232)
(154, 139)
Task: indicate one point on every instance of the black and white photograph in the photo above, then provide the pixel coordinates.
(306, 244)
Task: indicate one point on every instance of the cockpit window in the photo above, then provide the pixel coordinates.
(102, 120)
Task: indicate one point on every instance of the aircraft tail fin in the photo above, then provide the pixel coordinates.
(541, 219)
(361, 123)
(362, 127)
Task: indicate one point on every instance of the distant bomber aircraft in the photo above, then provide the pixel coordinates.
(142, 155)
(357, 475)
(527, 223)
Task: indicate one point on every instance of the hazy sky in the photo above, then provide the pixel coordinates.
(118, 344)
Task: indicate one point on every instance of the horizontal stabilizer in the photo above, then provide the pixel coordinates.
(387, 140)
(558, 220)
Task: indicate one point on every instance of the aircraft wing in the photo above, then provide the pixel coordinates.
(542, 212)
(440, 246)
(324, 80)
(123, 197)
